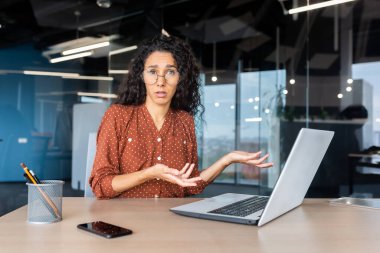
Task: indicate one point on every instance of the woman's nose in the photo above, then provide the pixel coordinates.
(161, 80)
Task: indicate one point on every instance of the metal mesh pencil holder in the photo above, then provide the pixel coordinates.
(45, 201)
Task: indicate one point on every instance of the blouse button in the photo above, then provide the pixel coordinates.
(159, 158)
(129, 139)
(158, 139)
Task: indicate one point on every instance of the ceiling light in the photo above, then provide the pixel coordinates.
(285, 92)
(255, 107)
(378, 120)
(348, 89)
(214, 78)
(257, 99)
(122, 50)
(317, 6)
(48, 73)
(232, 107)
(292, 81)
(250, 100)
(216, 104)
(165, 33)
(97, 78)
(100, 95)
(340, 95)
(104, 3)
(117, 71)
(70, 57)
(267, 110)
(350, 81)
(86, 48)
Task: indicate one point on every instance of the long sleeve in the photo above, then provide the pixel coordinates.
(107, 159)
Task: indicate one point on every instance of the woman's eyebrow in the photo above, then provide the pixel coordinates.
(167, 66)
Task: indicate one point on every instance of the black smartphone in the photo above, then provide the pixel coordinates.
(104, 229)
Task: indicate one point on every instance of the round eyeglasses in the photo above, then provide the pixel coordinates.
(171, 76)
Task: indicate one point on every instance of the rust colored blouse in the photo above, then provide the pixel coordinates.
(128, 141)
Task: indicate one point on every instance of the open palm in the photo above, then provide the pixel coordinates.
(252, 159)
(181, 177)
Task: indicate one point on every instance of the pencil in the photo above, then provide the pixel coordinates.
(49, 203)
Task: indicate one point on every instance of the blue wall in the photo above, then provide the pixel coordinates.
(27, 131)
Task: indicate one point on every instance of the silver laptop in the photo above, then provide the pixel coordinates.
(290, 189)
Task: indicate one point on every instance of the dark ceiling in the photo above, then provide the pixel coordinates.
(242, 29)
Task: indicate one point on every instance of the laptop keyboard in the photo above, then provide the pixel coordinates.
(244, 207)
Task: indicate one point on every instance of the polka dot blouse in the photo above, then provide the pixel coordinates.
(128, 141)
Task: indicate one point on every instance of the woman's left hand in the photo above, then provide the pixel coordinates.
(252, 159)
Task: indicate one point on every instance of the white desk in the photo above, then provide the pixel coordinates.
(316, 226)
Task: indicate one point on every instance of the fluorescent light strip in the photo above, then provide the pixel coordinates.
(99, 78)
(253, 119)
(47, 73)
(67, 75)
(317, 6)
(70, 57)
(100, 95)
(117, 71)
(85, 48)
(123, 50)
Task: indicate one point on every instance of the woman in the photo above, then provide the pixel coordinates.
(146, 144)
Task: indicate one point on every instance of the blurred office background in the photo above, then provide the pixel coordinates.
(266, 74)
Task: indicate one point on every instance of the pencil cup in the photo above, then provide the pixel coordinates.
(45, 201)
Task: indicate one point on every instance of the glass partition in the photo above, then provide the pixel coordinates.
(262, 99)
(275, 73)
(219, 127)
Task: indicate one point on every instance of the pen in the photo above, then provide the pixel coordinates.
(35, 177)
(46, 200)
(27, 179)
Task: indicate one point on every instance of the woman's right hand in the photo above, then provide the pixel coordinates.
(181, 178)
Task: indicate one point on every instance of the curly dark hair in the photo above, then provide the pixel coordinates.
(132, 90)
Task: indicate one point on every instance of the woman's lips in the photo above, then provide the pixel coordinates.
(161, 94)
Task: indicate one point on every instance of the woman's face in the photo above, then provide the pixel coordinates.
(160, 77)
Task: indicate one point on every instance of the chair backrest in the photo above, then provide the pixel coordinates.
(90, 161)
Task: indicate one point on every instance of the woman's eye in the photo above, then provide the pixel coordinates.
(171, 72)
(151, 72)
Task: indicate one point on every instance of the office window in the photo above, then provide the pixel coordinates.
(219, 127)
(276, 74)
(262, 100)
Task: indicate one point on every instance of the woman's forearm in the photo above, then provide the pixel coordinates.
(214, 170)
(121, 183)
(250, 159)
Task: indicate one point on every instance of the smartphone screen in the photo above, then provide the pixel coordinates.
(104, 229)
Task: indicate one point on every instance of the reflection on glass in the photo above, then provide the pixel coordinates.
(36, 119)
(219, 130)
(259, 126)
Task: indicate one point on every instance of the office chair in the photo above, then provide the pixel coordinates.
(90, 161)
